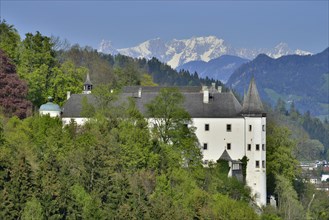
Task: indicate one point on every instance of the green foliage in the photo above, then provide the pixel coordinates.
(32, 210)
(280, 160)
(244, 164)
(147, 80)
(66, 78)
(88, 110)
(170, 126)
(309, 150)
(9, 40)
(289, 206)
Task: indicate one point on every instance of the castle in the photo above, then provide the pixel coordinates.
(225, 129)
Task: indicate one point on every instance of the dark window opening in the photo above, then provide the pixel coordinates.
(228, 146)
(257, 163)
(257, 146)
(205, 146)
(206, 127)
(249, 147)
(228, 127)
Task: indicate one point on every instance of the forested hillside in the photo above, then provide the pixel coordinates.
(303, 80)
(115, 167)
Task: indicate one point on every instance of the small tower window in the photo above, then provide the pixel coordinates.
(263, 147)
(249, 147)
(205, 146)
(263, 163)
(236, 166)
(257, 163)
(263, 127)
(206, 127)
(228, 146)
(250, 127)
(228, 127)
(257, 146)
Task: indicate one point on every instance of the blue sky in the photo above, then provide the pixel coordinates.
(250, 24)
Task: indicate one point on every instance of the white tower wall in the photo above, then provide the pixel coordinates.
(244, 131)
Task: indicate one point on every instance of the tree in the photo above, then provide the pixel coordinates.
(32, 210)
(9, 40)
(13, 91)
(289, 206)
(281, 106)
(36, 60)
(147, 80)
(171, 126)
(66, 78)
(280, 160)
(18, 189)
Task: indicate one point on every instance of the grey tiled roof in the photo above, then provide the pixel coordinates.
(73, 106)
(225, 156)
(221, 105)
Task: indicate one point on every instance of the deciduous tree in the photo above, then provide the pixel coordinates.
(13, 90)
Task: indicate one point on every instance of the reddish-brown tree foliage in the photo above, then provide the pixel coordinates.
(13, 90)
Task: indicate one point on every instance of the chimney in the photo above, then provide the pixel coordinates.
(68, 95)
(213, 85)
(139, 93)
(205, 94)
(219, 89)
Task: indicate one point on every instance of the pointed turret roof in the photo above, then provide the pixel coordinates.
(252, 103)
(88, 82)
(225, 156)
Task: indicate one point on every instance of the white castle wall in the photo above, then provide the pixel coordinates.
(79, 121)
(51, 113)
(239, 137)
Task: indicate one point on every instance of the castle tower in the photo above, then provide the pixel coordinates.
(87, 86)
(255, 142)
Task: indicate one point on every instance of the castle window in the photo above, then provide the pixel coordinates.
(205, 146)
(228, 146)
(250, 127)
(236, 166)
(249, 147)
(263, 127)
(257, 163)
(263, 147)
(228, 127)
(257, 146)
(206, 127)
(263, 163)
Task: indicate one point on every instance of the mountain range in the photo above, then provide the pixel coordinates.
(220, 68)
(303, 80)
(178, 52)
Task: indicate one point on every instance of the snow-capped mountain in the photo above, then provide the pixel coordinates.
(178, 52)
(106, 47)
